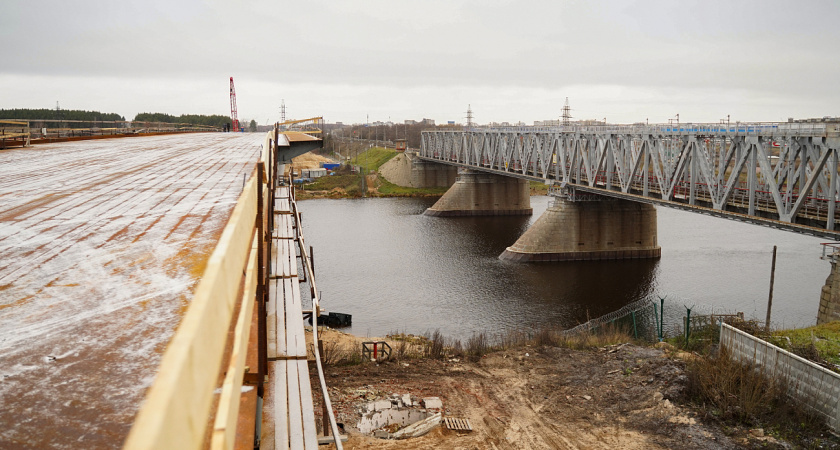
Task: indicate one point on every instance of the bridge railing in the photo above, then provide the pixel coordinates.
(177, 408)
(14, 133)
(176, 411)
(45, 130)
(733, 129)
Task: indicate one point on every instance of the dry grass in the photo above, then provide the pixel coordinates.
(732, 390)
(743, 395)
(338, 354)
(609, 334)
(435, 348)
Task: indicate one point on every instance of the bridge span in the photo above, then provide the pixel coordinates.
(162, 268)
(783, 175)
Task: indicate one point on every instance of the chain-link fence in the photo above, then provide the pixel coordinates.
(640, 319)
(656, 317)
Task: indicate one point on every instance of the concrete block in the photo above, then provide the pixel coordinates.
(432, 403)
(380, 405)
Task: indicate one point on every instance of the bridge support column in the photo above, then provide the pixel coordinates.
(482, 194)
(426, 174)
(830, 296)
(589, 230)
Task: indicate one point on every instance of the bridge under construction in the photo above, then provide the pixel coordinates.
(161, 271)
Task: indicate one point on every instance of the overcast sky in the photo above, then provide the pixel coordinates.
(624, 61)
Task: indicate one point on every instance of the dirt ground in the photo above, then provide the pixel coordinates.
(307, 161)
(614, 397)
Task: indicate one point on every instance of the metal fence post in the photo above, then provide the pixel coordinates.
(661, 317)
(687, 324)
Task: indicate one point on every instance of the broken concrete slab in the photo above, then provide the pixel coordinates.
(432, 403)
(419, 428)
(380, 405)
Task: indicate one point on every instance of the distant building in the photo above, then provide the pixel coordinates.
(814, 120)
(590, 122)
(430, 122)
(547, 123)
(410, 122)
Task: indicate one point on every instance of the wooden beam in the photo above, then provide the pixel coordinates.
(177, 406)
(224, 428)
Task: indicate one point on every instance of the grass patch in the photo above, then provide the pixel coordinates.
(820, 343)
(336, 354)
(387, 188)
(328, 183)
(374, 158)
(538, 188)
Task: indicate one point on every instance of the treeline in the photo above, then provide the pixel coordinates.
(196, 119)
(409, 132)
(57, 114)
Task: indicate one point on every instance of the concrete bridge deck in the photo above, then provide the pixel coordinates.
(101, 243)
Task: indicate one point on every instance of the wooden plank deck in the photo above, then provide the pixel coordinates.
(292, 408)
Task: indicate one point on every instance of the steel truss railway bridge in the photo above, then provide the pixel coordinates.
(783, 175)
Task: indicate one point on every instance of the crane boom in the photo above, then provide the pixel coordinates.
(234, 118)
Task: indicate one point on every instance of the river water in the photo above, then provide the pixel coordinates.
(397, 270)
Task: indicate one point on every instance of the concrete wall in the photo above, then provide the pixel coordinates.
(482, 194)
(589, 230)
(407, 170)
(816, 387)
(830, 296)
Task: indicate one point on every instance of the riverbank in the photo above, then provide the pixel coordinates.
(605, 392)
(362, 177)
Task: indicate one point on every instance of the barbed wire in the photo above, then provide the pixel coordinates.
(637, 306)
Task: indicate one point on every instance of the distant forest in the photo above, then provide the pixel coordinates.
(215, 120)
(60, 114)
(90, 116)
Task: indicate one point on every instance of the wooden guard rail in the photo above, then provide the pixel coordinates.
(14, 132)
(177, 408)
(176, 411)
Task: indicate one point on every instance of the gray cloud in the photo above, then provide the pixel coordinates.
(764, 59)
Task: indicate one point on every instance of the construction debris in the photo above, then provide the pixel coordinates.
(457, 424)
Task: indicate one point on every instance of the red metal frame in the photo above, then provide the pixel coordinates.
(234, 118)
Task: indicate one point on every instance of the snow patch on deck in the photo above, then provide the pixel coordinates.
(102, 243)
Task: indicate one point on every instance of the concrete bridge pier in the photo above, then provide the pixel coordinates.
(482, 194)
(589, 228)
(427, 174)
(830, 295)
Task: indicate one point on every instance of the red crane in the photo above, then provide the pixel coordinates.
(234, 119)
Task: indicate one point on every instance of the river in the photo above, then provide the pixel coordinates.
(397, 270)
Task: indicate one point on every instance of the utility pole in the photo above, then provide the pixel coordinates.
(567, 113)
(770, 300)
(283, 111)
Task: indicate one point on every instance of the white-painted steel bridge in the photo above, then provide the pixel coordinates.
(783, 175)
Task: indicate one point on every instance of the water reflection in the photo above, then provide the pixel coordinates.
(395, 269)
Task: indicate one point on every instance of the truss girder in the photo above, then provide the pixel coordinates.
(772, 175)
